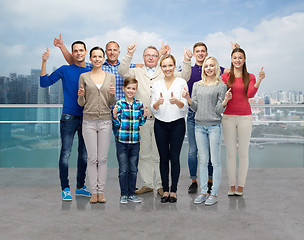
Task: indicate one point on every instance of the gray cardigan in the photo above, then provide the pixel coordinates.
(207, 103)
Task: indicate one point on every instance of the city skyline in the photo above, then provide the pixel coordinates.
(270, 32)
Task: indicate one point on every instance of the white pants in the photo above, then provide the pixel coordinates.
(237, 132)
(97, 137)
(148, 166)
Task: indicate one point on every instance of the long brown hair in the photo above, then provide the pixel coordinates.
(245, 74)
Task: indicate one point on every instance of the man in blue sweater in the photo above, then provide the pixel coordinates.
(71, 118)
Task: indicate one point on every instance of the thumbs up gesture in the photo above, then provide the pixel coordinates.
(115, 111)
(131, 49)
(172, 100)
(161, 99)
(187, 54)
(112, 89)
(81, 91)
(228, 95)
(185, 93)
(262, 74)
(146, 112)
(45, 55)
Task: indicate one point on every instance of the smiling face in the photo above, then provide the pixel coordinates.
(238, 59)
(97, 58)
(167, 65)
(112, 52)
(79, 53)
(200, 53)
(210, 67)
(150, 57)
(130, 91)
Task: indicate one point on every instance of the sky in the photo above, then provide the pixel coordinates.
(270, 31)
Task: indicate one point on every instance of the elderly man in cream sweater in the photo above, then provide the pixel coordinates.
(148, 166)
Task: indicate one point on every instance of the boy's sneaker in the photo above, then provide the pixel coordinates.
(211, 200)
(66, 195)
(83, 192)
(193, 188)
(200, 199)
(123, 199)
(133, 198)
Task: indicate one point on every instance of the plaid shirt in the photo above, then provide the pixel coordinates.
(107, 67)
(129, 118)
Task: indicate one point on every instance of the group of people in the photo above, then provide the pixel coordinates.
(145, 106)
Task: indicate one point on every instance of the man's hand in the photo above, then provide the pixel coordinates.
(164, 49)
(131, 49)
(187, 54)
(58, 42)
(81, 91)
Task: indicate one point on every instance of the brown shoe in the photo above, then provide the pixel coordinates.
(94, 198)
(101, 198)
(144, 189)
(160, 191)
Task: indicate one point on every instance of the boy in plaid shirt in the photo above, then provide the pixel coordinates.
(128, 115)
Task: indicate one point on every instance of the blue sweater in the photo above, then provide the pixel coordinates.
(70, 77)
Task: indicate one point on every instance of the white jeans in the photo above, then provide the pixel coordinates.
(148, 166)
(97, 137)
(237, 132)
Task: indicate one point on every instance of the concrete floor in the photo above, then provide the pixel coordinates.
(31, 208)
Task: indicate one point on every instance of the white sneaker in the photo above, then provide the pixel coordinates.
(200, 199)
(211, 200)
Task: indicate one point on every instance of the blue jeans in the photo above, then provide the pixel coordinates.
(127, 156)
(209, 139)
(69, 125)
(192, 153)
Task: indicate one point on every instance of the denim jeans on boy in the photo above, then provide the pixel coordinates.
(127, 156)
(209, 139)
(69, 125)
(192, 152)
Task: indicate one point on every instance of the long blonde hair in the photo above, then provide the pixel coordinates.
(217, 78)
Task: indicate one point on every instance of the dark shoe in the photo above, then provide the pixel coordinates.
(193, 188)
(209, 187)
(172, 199)
(164, 199)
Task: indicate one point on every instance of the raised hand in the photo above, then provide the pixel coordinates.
(187, 54)
(161, 99)
(115, 111)
(172, 100)
(58, 42)
(165, 49)
(131, 49)
(234, 45)
(146, 112)
(228, 95)
(262, 74)
(112, 89)
(45, 55)
(81, 91)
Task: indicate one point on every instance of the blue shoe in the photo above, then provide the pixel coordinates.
(83, 192)
(66, 195)
(133, 198)
(123, 199)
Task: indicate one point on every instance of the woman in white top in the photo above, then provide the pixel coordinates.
(169, 109)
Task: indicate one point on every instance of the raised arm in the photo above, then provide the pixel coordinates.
(124, 69)
(186, 70)
(66, 54)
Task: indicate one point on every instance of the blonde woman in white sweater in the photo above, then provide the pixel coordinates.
(96, 94)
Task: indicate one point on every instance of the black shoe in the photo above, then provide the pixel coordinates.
(209, 187)
(193, 188)
(172, 199)
(164, 199)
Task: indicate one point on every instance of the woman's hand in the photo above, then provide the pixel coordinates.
(185, 94)
(112, 89)
(228, 96)
(45, 55)
(187, 55)
(172, 100)
(81, 91)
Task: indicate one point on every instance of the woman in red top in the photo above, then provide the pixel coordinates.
(237, 119)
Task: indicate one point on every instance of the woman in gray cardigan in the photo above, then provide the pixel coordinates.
(209, 100)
